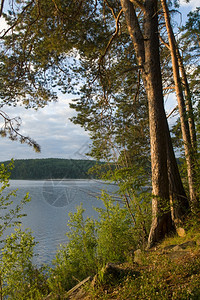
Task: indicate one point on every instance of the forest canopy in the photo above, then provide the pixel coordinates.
(51, 168)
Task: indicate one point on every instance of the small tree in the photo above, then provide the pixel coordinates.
(19, 278)
(9, 216)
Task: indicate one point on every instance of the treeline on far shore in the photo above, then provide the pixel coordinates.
(51, 168)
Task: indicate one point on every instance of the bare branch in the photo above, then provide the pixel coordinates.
(18, 19)
(164, 43)
(173, 110)
(1, 8)
(169, 88)
(133, 68)
(11, 127)
(112, 10)
(112, 38)
(138, 4)
(138, 87)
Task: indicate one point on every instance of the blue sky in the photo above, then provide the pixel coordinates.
(51, 127)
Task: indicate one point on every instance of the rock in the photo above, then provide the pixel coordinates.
(181, 232)
(181, 246)
(184, 246)
(138, 256)
(176, 255)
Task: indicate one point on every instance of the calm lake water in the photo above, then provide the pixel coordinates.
(51, 202)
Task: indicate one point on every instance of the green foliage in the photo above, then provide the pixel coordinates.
(91, 244)
(115, 232)
(162, 275)
(165, 279)
(77, 259)
(51, 168)
(10, 213)
(19, 278)
(46, 37)
(50, 37)
(134, 191)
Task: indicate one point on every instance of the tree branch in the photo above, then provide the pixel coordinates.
(173, 110)
(138, 4)
(112, 10)
(1, 8)
(133, 68)
(164, 43)
(13, 131)
(113, 36)
(18, 19)
(134, 30)
(169, 88)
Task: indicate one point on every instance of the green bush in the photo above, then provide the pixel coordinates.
(10, 214)
(115, 232)
(19, 278)
(92, 244)
(77, 259)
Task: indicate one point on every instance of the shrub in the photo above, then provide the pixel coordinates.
(77, 259)
(91, 244)
(19, 278)
(115, 232)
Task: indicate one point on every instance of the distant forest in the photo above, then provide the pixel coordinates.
(51, 168)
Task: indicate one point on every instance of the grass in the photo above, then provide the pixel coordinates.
(165, 273)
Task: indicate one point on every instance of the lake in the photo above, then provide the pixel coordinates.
(51, 202)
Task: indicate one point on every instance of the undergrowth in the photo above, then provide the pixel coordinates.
(162, 275)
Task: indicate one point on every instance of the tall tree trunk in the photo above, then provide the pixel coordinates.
(189, 107)
(147, 53)
(162, 221)
(178, 198)
(182, 110)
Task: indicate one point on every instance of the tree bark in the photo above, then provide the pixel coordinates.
(182, 110)
(178, 198)
(147, 53)
(189, 107)
(162, 221)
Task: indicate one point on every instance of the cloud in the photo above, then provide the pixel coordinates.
(51, 128)
(191, 5)
(185, 8)
(3, 25)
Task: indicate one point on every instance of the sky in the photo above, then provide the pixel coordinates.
(51, 128)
